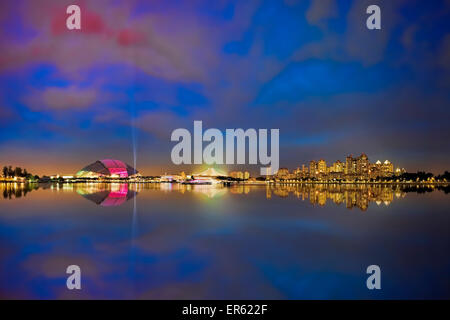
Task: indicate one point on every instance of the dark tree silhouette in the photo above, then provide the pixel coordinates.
(18, 172)
(445, 175)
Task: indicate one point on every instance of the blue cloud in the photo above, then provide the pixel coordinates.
(319, 78)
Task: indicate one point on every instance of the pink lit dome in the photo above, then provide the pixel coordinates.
(107, 168)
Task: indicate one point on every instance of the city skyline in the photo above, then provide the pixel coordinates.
(252, 169)
(351, 168)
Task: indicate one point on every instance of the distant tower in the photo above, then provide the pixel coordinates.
(348, 165)
(312, 168)
(362, 165)
(322, 166)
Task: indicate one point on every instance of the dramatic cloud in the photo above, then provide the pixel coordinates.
(111, 34)
(321, 10)
(62, 99)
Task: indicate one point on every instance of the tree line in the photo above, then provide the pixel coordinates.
(9, 172)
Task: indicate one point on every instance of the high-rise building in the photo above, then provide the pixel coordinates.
(283, 173)
(313, 170)
(322, 167)
(354, 166)
(238, 175)
(349, 165)
(375, 170)
(362, 165)
(304, 171)
(387, 168)
(338, 167)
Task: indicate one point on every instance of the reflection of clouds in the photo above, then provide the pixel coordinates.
(201, 264)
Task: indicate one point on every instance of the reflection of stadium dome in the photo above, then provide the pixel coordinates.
(106, 195)
(107, 168)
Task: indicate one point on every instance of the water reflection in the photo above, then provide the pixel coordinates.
(351, 195)
(203, 242)
(17, 190)
(106, 194)
(358, 196)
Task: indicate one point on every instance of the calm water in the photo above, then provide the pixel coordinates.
(178, 242)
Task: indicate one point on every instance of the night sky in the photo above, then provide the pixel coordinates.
(144, 68)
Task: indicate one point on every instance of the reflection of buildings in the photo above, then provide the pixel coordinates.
(17, 190)
(107, 194)
(240, 189)
(313, 170)
(210, 192)
(283, 173)
(353, 195)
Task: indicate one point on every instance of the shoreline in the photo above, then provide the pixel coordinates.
(231, 183)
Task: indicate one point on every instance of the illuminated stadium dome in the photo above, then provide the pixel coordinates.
(107, 168)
